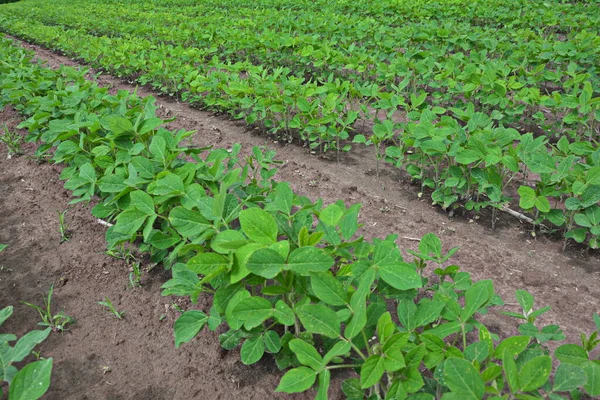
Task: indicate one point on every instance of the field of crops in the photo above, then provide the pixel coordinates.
(484, 105)
(470, 99)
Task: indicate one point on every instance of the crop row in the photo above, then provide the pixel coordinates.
(288, 276)
(464, 156)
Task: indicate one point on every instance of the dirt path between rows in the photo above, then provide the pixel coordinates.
(134, 358)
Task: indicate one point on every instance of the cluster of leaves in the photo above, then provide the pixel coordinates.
(462, 94)
(288, 276)
(31, 381)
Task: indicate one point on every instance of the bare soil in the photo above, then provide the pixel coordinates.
(103, 357)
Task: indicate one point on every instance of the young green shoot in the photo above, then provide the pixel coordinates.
(57, 322)
(12, 140)
(111, 308)
(62, 227)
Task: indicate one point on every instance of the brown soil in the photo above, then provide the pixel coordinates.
(103, 357)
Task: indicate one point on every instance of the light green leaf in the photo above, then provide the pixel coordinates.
(207, 263)
(319, 319)
(188, 325)
(266, 263)
(534, 373)
(31, 382)
(142, 201)
(252, 350)
(305, 260)
(324, 380)
(27, 342)
(297, 380)
(130, 221)
(476, 297)
(568, 377)
(188, 223)
(592, 372)
(306, 354)
(462, 378)
(328, 289)
(371, 371)
(272, 341)
(253, 311)
(331, 215)
(571, 354)
(259, 225)
(400, 275)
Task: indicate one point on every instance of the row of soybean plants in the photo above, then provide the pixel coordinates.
(287, 276)
(463, 165)
(543, 77)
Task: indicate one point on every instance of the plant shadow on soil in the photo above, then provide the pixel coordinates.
(103, 357)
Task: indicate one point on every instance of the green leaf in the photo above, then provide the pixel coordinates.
(514, 345)
(510, 370)
(324, 380)
(31, 382)
(475, 297)
(571, 354)
(188, 223)
(112, 184)
(328, 289)
(568, 377)
(188, 325)
(267, 263)
(169, 184)
(534, 373)
(272, 341)
(463, 379)
(129, 222)
(142, 201)
(319, 319)
(400, 275)
(339, 349)
(207, 263)
(371, 371)
(259, 225)
(158, 148)
(253, 311)
(5, 313)
(297, 380)
(305, 260)
(431, 245)
(117, 125)
(592, 372)
(252, 350)
(527, 199)
(228, 241)
(525, 300)
(352, 390)
(428, 312)
(284, 314)
(284, 197)
(306, 354)
(27, 342)
(331, 215)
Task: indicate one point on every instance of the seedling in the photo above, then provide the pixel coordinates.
(62, 227)
(57, 322)
(111, 308)
(135, 274)
(12, 140)
(33, 379)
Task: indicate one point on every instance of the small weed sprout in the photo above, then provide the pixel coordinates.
(62, 227)
(12, 140)
(135, 274)
(57, 322)
(111, 308)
